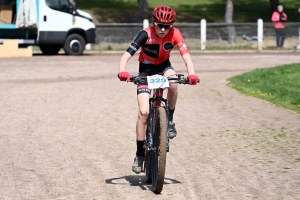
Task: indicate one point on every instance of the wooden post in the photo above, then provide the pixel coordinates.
(146, 23)
(260, 34)
(298, 47)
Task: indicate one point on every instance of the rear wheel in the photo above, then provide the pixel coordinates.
(159, 155)
(50, 49)
(74, 45)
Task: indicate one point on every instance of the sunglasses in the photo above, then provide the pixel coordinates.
(161, 26)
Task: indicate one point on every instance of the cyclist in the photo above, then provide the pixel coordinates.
(156, 43)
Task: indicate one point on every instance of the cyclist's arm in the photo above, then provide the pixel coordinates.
(188, 63)
(140, 40)
(123, 61)
(183, 49)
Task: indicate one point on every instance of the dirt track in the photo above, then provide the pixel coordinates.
(67, 131)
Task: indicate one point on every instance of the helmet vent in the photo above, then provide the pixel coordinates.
(164, 14)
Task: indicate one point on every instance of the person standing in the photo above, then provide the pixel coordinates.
(298, 47)
(298, 14)
(278, 18)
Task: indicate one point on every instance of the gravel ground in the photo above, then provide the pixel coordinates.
(67, 131)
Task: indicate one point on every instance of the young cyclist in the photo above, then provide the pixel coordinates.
(156, 43)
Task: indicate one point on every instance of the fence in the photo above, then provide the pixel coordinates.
(118, 36)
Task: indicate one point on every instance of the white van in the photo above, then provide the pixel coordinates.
(49, 24)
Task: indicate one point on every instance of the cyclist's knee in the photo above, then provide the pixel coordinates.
(143, 99)
(143, 114)
(173, 87)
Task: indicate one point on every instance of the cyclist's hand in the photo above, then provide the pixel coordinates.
(193, 79)
(124, 76)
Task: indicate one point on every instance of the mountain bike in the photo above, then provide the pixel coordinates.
(157, 142)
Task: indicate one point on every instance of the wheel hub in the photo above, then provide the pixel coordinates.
(75, 45)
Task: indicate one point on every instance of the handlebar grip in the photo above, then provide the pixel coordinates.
(132, 78)
(187, 80)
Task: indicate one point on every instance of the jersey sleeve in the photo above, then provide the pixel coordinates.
(183, 49)
(139, 41)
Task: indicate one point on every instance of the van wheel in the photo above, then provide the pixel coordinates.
(75, 45)
(50, 49)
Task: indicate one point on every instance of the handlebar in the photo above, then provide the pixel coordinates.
(180, 79)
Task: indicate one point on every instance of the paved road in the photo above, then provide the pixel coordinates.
(67, 131)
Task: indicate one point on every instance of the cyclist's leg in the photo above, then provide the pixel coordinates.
(172, 96)
(141, 124)
(143, 94)
(172, 90)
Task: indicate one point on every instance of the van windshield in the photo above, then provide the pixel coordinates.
(59, 5)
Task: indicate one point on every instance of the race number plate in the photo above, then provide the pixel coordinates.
(157, 82)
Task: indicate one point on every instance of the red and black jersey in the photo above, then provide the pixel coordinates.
(154, 49)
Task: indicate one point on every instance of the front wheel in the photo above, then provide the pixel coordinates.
(159, 155)
(74, 45)
(148, 166)
(148, 158)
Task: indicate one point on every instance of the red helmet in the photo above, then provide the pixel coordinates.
(164, 14)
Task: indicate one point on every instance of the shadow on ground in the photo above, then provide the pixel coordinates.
(137, 181)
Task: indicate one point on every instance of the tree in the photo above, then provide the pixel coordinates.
(143, 10)
(274, 4)
(228, 20)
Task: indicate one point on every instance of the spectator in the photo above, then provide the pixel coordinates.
(298, 47)
(278, 18)
(298, 14)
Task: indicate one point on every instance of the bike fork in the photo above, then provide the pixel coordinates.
(154, 102)
(150, 126)
(168, 131)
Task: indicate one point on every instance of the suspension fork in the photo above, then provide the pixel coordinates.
(156, 102)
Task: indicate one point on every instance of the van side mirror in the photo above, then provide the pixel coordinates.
(73, 8)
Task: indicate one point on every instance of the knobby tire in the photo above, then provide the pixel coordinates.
(148, 163)
(159, 155)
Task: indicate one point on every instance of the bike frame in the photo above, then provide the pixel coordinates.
(154, 102)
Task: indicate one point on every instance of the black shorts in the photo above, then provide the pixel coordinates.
(149, 70)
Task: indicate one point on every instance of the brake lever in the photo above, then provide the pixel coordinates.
(180, 75)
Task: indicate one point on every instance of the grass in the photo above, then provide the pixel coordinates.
(187, 11)
(279, 85)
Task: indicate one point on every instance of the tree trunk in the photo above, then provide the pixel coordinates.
(143, 10)
(274, 4)
(228, 19)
